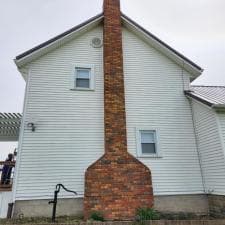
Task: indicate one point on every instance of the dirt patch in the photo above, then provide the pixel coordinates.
(30, 221)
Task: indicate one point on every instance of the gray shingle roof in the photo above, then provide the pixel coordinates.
(210, 95)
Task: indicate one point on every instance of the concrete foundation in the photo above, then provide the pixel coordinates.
(41, 208)
(197, 204)
(217, 205)
(74, 207)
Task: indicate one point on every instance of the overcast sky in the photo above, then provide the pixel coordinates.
(196, 28)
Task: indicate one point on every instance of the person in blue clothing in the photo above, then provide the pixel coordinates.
(7, 171)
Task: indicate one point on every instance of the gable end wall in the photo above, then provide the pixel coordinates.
(70, 130)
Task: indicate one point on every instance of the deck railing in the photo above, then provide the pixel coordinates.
(6, 175)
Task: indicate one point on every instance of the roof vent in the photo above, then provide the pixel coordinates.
(96, 42)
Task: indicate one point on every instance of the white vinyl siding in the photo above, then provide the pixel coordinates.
(210, 148)
(69, 132)
(154, 98)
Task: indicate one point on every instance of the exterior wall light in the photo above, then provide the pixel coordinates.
(32, 126)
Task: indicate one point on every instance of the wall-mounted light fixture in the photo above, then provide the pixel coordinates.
(32, 122)
(32, 126)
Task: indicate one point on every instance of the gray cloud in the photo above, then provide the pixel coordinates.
(195, 28)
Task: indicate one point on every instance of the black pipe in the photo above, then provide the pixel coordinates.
(54, 202)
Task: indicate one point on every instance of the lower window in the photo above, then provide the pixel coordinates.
(147, 145)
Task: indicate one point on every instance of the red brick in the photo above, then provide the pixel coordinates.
(117, 184)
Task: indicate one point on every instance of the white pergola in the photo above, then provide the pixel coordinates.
(10, 126)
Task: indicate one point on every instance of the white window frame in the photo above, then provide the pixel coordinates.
(74, 77)
(139, 147)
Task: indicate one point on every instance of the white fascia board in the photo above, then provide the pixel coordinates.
(59, 42)
(163, 49)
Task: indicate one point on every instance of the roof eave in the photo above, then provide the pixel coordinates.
(39, 50)
(192, 95)
(216, 107)
(183, 61)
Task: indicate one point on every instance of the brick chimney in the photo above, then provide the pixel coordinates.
(117, 184)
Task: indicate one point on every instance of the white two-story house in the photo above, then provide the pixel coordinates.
(170, 128)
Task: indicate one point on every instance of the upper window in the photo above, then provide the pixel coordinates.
(83, 77)
(147, 143)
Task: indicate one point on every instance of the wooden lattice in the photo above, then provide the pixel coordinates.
(9, 126)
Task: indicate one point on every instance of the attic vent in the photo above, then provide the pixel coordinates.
(96, 42)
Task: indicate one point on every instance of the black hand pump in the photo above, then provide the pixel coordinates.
(54, 202)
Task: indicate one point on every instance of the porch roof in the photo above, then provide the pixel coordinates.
(10, 126)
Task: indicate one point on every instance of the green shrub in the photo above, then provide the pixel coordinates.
(97, 216)
(147, 214)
